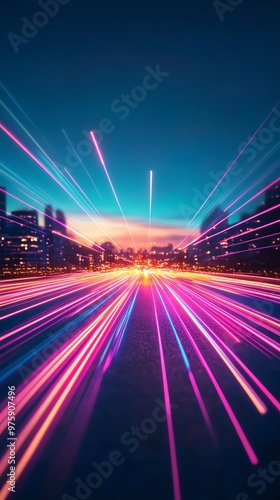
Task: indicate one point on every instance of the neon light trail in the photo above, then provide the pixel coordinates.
(176, 362)
(64, 336)
(182, 361)
(140, 250)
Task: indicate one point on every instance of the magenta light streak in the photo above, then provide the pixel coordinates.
(248, 250)
(24, 293)
(247, 311)
(248, 448)
(190, 374)
(241, 206)
(255, 239)
(251, 187)
(14, 222)
(252, 198)
(82, 361)
(213, 317)
(252, 230)
(231, 165)
(205, 329)
(99, 153)
(21, 223)
(172, 446)
(41, 318)
(23, 184)
(94, 208)
(33, 208)
(55, 220)
(255, 216)
(21, 145)
(18, 121)
(111, 184)
(72, 239)
(49, 173)
(208, 309)
(237, 209)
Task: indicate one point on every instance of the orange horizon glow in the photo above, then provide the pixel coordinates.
(161, 234)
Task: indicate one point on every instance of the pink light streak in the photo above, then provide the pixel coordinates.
(172, 446)
(111, 185)
(232, 164)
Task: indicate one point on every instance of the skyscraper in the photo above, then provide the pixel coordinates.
(59, 241)
(49, 226)
(60, 217)
(48, 222)
(24, 243)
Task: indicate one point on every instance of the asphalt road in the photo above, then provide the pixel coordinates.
(137, 386)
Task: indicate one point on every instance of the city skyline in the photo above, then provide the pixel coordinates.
(248, 245)
(92, 221)
(194, 135)
(169, 231)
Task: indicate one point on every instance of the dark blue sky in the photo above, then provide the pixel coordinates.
(224, 78)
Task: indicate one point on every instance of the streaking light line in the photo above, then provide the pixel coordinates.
(235, 372)
(260, 179)
(58, 222)
(234, 225)
(233, 163)
(21, 145)
(112, 187)
(93, 206)
(239, 430)
(172, 446)
(80, 160)
(150, 205)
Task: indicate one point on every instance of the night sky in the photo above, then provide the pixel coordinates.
(221, 81)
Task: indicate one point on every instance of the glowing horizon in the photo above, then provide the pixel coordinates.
(164, 232)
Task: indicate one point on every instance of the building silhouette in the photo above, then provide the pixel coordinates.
(25, 246)
(252, 245)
